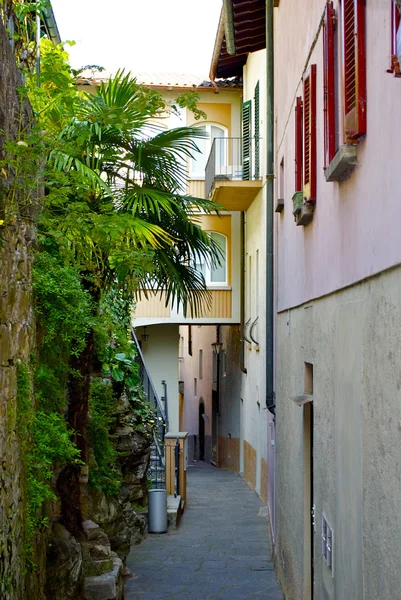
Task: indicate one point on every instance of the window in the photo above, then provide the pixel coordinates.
(198, 163)
(190, 340)
(309, 112)
(200, 364)
(257, 131)
(298, 144)
(214, 273)
(395, 39)
(195, 387)
(354, 57)
(329, 85)
(246, 140)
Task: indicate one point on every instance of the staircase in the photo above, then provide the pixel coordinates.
(157, 465)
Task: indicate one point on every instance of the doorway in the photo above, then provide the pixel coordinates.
(201, 431)
(309, 507)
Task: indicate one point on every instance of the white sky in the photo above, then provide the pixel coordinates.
(140, 35)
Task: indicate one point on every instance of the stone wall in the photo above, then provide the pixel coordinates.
(17, 334)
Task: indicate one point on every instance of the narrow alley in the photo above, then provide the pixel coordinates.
(221, 550)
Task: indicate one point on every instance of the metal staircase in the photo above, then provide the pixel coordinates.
(157, 465)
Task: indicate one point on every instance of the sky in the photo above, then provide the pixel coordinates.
(140, 35)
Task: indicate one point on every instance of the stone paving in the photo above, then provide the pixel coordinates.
(221, 550)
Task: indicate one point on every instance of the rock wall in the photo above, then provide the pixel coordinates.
(17, 335)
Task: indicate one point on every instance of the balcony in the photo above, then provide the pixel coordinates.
(222, 308)
(229, 175)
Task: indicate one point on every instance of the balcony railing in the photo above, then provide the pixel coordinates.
(230, 159)
(157, 464)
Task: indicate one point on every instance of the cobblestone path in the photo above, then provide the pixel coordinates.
(221, 550)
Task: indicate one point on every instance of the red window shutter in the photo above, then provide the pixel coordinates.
(298, 145)
(329, 79)
(395, 23)
(353, 18)
(310, 135)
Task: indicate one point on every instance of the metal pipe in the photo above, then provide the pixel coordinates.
(270, 394)
(242, 292)
(37, 48)
(229, 27)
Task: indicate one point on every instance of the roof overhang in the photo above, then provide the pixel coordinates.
(242, 29)
(50, 24)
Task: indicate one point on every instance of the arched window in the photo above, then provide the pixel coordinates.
(198, 163)
(215, 275)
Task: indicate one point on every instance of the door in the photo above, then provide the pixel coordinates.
(201, 431)
(309, 507)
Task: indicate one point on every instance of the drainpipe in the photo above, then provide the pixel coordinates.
(242, 294)
(270, 394)
(37, 49)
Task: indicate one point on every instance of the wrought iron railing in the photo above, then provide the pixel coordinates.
(231, 159)
(157, 465)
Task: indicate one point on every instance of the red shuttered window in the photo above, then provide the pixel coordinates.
(395, 66)
(353, 21)
(298, 144)
(329, 82)
(309, 109)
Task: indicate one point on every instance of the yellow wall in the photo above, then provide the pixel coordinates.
(222, 225)
(216, 113)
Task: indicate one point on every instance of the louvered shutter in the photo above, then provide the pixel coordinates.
(246, 140)
(353, 18)
(329, 91)
(309, 188)
(257, 132)
(395, 66)
(298, 145)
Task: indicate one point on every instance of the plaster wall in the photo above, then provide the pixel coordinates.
(221, 107)
(254, 72)
(355, 229)
(352, 340)
(161, 356)
(202, 338)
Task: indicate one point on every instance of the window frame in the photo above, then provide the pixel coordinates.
(395, 67)
(329, 85)
(309, 135)
(200, 176)
(208, 268)
(298, 144)
(353, 18)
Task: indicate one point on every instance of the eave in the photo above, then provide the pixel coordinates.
(248, 32)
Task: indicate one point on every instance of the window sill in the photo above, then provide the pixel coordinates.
(342, 164)
(302, 211)
(218, 287)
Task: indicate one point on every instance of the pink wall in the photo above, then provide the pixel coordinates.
(356, 229)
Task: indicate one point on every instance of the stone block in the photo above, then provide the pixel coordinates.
(343, 163)
(102, 587)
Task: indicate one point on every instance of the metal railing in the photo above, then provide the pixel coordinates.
(230, 159)
(157, 465)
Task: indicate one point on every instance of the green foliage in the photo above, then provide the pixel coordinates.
(51, 446)
(190, 100)
(45, 443)
(61, 302)
(104, 474)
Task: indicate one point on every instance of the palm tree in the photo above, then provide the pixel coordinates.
(118, 208)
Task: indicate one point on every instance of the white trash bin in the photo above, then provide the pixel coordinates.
(157, 511)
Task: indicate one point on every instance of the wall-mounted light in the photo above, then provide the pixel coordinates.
(217, 347)
(145, 336)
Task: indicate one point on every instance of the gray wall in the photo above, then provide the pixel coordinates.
(353, 340)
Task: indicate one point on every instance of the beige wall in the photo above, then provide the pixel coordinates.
(352, 339)
(161, 357)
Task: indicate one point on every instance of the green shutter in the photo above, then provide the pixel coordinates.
(257, 131)
(246, 140)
